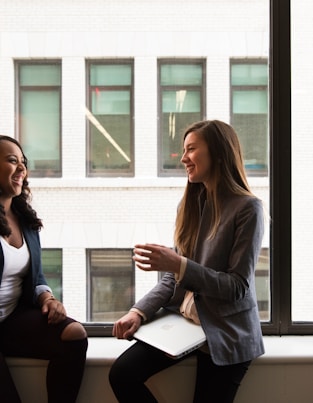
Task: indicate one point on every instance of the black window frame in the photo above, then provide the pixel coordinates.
(45, 171)
(103, 328)
(163, 172)
(252, 87)
(130, 172)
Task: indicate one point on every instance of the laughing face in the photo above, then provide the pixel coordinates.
(12, 169)
(196, 158)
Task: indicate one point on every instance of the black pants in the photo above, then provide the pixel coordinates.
(26, 333)
(214, 384)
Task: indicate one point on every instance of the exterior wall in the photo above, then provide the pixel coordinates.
(80, 212)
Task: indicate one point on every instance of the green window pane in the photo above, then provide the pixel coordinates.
(52, 269)
(38, 75)
(181, 101)
(250, 102)
(249, 74)
(110, 102)
(110, 75)
(40, 128)
(181, 74)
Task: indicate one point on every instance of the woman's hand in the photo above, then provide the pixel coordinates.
(126, 326)
(51, 307)
(152, 257)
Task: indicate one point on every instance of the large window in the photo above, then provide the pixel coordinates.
(249, 111)
(181, 102)
(111, 284)
(39, 110)
(110, 118)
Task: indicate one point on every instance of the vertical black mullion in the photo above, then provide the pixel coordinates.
(280, 159)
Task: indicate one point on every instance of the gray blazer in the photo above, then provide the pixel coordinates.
(222, 277)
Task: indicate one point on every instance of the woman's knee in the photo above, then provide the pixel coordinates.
(74, 331)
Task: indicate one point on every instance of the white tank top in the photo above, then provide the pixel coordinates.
(16, 264)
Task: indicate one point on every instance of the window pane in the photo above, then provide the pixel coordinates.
(249, 74)
(111, 284)
(181, 104)
(249, 106)
(52, 268)
(40, 75)
(302, 160)
(181, 74)
(40, 119)
(41, 146)
(110, 120)
(110, 75)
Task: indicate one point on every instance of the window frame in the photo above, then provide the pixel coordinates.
(37, 173)
(161, 62)
(111, 172)
(280, 173)
(105, 327)
(247, 61)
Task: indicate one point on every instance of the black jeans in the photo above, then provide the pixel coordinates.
(214, 384)
(26, 333)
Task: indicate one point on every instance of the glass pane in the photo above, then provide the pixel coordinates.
(112, 287)
(184, 74)
(39, 75)
(52, 268)
(110, 122)
(249, 83)
(110, 75)
(40, 129)
(179, 108)
(250, 102)
(249, 74)
(110, 102)
(302, 159)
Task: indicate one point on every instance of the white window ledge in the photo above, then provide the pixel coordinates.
(282, 375)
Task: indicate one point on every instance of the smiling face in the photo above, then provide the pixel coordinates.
(196, 158)
(12, 170)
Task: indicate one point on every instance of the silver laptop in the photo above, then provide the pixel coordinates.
(171, 333)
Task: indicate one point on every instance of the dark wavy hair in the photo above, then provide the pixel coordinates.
(21, 203)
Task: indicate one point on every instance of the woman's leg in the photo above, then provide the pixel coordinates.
(217, 384)
(26, 333)
(131, 369)
(66, 368)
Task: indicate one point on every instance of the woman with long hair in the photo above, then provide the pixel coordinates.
(209, 276)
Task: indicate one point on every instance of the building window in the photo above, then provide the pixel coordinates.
(52, 268)
(181, 102)
(109, 115)
(111, 285)
(39, 116)
(249, 112)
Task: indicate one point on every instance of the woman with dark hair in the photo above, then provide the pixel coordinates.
(210, 276)
(33, 323)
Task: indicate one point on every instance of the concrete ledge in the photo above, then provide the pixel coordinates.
(283, 375)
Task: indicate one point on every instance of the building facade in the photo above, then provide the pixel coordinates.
(98, 93)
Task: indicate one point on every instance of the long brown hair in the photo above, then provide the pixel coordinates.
(227, 174)
(21, 203)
